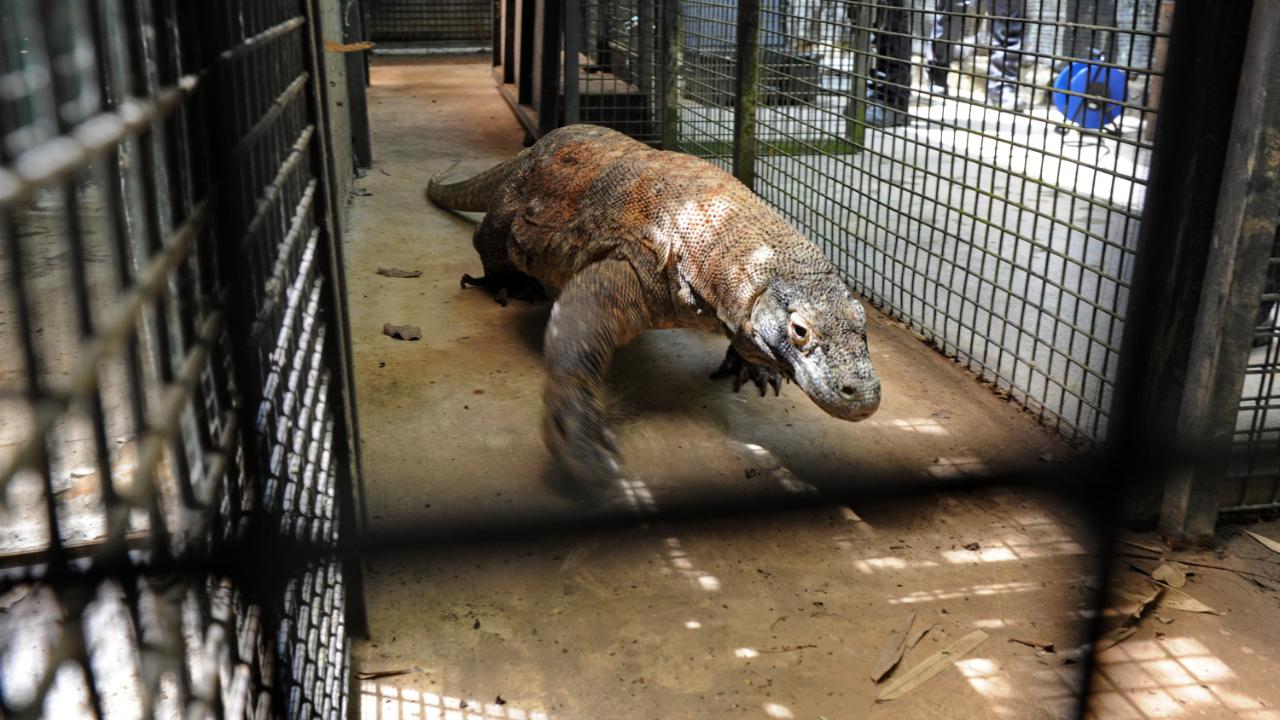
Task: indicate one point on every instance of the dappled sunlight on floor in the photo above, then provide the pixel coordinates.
(1167, 678)
(680, 561)
(381, 701)
(1029, 537)
(1056, 688)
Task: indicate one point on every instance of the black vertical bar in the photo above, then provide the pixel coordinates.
(1205, 55)
(572, 47)
(671, 47)
(744, 116)
(548, 66)
(353, 30)
(1244, 232)
(495, 40)
(508, 56)
(524, 36)
(643, 72)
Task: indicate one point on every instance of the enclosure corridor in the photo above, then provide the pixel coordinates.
(787, 611)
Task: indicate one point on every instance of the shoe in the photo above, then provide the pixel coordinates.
(879, 116)
(1007, 104)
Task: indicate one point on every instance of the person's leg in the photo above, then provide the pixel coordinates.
(1006, 57)
(948, 28)
(891, 73)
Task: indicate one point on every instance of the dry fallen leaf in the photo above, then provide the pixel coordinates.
(1116, 636)
(918, 635)
(398, 273)
(1145, 603)
(1179, 600)
(891, 654)
(347, 47)
(1271, 544)
(1170, 575)
(402, 332)
(930, 666)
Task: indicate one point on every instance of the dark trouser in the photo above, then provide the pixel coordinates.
(1006, 42)
(890, 81)
(1086, 38)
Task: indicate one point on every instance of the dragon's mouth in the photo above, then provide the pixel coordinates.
(852, 398)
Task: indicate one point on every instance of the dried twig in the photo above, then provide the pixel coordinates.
(786, 648)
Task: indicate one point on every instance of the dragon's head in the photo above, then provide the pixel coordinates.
(812, 330)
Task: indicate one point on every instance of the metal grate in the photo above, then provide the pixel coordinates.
(618, 66)
(1004, 235)
(708, 79)
(433, 21)
(1253, 478)
(171, 372)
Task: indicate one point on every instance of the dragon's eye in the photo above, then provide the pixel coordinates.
(799, 331)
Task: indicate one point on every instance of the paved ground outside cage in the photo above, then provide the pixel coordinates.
(779, 615)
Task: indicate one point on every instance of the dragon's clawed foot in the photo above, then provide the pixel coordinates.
(507, 285)
(736, 367)
(577, 435)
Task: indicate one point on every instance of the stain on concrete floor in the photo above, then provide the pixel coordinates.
(767, 615)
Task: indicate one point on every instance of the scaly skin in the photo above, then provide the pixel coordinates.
(641, 239)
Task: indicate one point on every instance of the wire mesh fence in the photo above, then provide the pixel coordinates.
(432, 21)
(1253, 478)
(613, 49)
(170, 363)
(978, 170)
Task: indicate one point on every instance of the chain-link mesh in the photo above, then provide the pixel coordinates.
(976, 169)
(432, 21)
(167, 365)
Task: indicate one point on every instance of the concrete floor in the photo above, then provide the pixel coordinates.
(767, 615)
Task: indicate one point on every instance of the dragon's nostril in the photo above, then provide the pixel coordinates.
(847, 391)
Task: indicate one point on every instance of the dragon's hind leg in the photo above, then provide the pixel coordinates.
(507, 284)
(742, 370)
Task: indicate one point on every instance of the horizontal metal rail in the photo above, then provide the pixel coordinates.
(59, 158)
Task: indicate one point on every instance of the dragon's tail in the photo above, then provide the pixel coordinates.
(472, 194)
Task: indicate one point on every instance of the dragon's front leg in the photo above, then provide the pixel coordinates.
(600, 309)
(741, 370)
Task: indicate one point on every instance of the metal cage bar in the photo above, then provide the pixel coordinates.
(172, 376)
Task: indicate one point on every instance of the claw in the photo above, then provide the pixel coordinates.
(506, 286)
(610, 441)
(741, 371)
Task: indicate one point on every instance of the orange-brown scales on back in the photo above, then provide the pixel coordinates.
(639, 239)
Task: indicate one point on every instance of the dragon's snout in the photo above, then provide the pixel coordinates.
(862, 398)
(853, 399)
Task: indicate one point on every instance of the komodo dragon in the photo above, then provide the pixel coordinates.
(640, 239)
